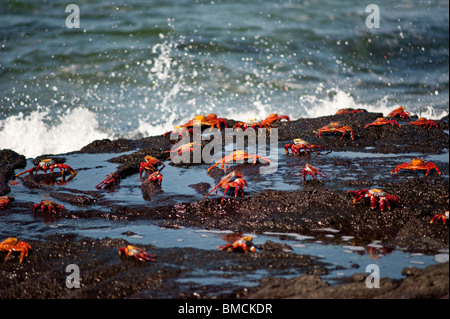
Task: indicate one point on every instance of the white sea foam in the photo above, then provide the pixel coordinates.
(31, 136)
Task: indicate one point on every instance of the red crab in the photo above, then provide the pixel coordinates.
(136, 252)
(50, 164)
(237, 156)
(313, 171)
(299, 145)
(5, 200)
(417, 164)
(376, 195)
(211, 119)
(151, 163)
(335, 127)
(109, 181)
(234, 180)
(424, 122)
(11, 244)
(245, 244)
(267, 122)
(400, 111)
(189, 147)
(382, 121)
(154, 177)
(442, 217)
(49, 206)
(350, 111)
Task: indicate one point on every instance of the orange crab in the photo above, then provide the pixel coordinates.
(299, 145)
(189, 147)
(417, 164)
(151, 163)
(11, 244)
(350, 111)
(424, 122)
(442, 217)
(49, 206)
(5, 200)
(50, 164)
(400, 111)
(211, 120)
(335, 127)
(110, 181)
(136, 252)
(237, 156)
(382, 121)
(376, 195)
(267, 122)
(313, 171)
(233, 179)
(154, 177)
(245, 244)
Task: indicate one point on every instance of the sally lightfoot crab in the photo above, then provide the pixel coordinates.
(155, 177)
(5, 200)
(424, 123)
(376, 196)
(298, 145)
(110, 181)
(382, 121)
(417, 164)
(237, 156)
(136, 252)
(11, 245)
(49, 164)
(245, 244)
(232, 180)
(313, 171)
(442, 217)
(335, 127)
(48, 206)
(151, 164)
(400, 111)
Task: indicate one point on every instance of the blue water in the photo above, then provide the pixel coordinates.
(137, 68)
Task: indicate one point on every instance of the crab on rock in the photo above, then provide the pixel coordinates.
(50, 164)
(267, 122)
(313, 171)
(350, 111)
(188, 147)
(442, 217)
(382, 121)
(109, 181)
(335, 127)
(234, 180)
(424, 122)
(49, 206)
(11, 244)
(417, 164)
(237, 156)
(5, 200)
(154, 177)
(376, 196)
(245, 244)
(151, 164)
(136, 252)
(400, 111)
(299, 145)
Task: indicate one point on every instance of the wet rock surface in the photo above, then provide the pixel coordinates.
(310, 206)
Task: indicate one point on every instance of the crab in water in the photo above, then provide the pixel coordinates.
(376, 195)
(442, 217)
(189, 147)
(424, 122)
(267, 122)
(237, 156)
(350, 111)
(151, 164)
(245, 244)
(154, 177)
(400, 111)
(136, 252)
(233, 179)
(11, 244)
(335, 127)
(299, 145)
(382, 121)
(313, 171)
(50, 164)
(49, 206)
(109, 181)
(5, 200)
(417, 164)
